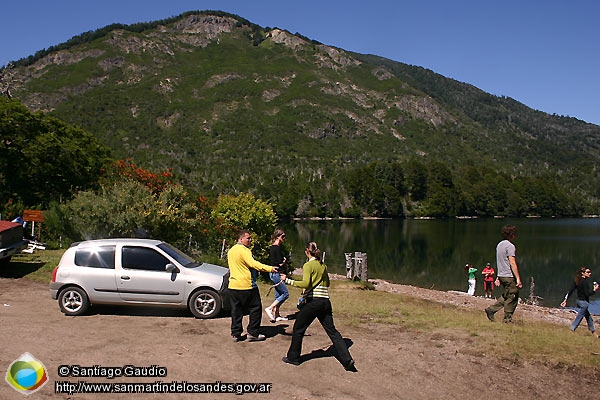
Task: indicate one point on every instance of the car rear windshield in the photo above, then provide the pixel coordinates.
(96, 257)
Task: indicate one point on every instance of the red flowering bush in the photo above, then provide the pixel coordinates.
(155, 181)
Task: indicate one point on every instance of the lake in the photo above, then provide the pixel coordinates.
(432, 253)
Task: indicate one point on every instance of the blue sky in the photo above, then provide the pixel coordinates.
(543, 54)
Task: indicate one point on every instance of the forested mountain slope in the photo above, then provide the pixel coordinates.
(231, 106)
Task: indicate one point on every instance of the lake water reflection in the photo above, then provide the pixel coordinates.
(432, 253)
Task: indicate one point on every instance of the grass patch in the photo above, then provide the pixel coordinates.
(37, 267)
(522, 341)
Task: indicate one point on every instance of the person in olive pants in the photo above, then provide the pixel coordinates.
(508, 276)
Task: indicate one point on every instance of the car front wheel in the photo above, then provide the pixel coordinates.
(205, 303)
(73, 301)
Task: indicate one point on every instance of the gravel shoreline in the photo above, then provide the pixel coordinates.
(462, 299)
(559, 316)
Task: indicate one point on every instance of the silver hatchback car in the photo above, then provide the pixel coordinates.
(136, 272)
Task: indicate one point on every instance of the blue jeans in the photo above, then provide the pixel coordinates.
(281, 290)
(582, 312)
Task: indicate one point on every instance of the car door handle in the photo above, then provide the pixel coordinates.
(125, 278)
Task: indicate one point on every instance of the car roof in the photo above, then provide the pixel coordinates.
(115, 241)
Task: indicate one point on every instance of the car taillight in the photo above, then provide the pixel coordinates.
(54, 274)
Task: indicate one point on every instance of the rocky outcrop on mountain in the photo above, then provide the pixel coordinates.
(200, 30)
(283, 37)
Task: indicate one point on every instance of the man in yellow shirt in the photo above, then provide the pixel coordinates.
(243, 291)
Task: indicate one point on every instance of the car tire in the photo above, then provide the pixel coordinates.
(205, 303)
(73, 301)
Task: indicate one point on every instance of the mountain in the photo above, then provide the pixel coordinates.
(232, 106)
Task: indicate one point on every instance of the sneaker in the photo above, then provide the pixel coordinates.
(349, 366)
(490, 315)
(270, 314)
(237, 338)
(258, 338)
(281, 319)
(288, 361)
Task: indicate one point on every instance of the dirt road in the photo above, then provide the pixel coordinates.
(392, 362)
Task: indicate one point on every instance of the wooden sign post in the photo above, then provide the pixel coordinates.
(34, 216)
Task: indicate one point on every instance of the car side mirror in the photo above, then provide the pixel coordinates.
(172, 268)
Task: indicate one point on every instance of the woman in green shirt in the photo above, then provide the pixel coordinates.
(315, 282)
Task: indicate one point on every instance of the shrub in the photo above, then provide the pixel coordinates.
(244, 211)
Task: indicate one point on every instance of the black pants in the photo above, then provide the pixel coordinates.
(317, 308)
(245, 302)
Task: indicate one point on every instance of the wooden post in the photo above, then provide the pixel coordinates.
(357, 265)
(363, 272)
(348, 257)
(223, 248)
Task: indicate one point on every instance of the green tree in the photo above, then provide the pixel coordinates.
(244, 211)
(516, 206)
(392, 180)
(364, 190)
(43, 159)
(416, 179)
(442, 197)
(391, 174)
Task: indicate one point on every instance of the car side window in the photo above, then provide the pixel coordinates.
(96, 257)
(143, 258)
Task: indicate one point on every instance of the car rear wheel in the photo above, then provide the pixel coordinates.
(73, 301)
(205, 303)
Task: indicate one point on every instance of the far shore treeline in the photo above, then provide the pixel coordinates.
(47, 164)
